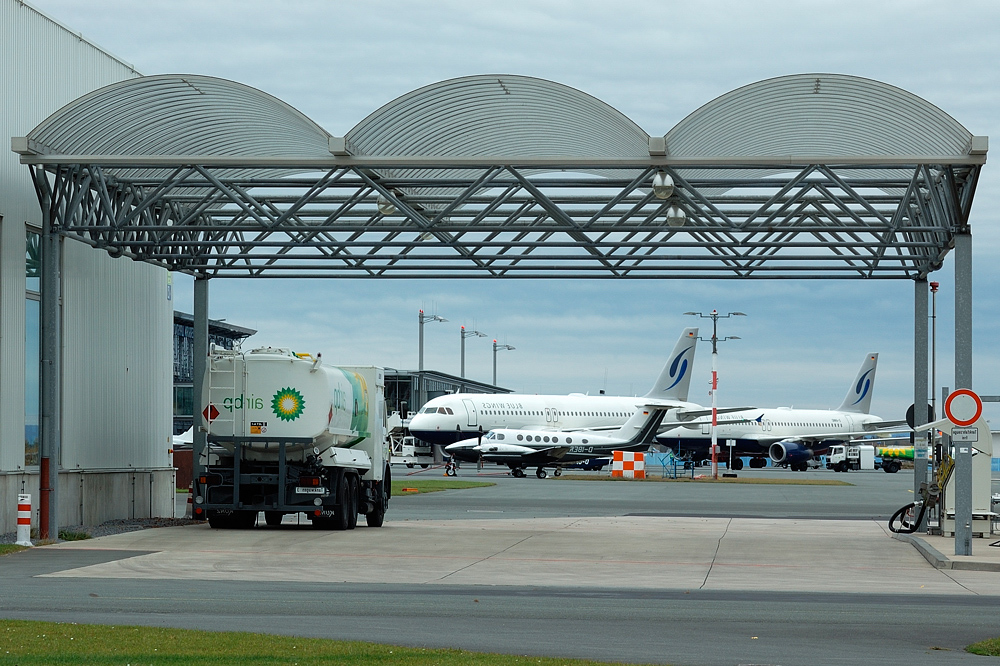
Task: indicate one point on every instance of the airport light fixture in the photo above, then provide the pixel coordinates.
(468, 334)
(715, 339)
(676, 217)
(663, 185)
(497, 348)
(423, 318)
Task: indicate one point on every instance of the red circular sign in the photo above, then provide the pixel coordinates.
(968, 403)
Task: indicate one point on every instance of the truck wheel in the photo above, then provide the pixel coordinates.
(342, 509)
(218, 520)
(244, 520)
(352, 513)
(376, 516)
(273, 518)
(891, 467)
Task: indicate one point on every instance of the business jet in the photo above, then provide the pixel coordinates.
(790, 437)
(519, 448)
(452, 418)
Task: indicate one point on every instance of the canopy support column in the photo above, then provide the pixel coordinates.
(51, 378)
(963, 379)
(200, 426)
(920, 411)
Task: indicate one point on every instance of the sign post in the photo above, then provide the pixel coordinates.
(964, 408)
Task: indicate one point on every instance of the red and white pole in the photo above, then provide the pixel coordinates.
(24, 520)
(715, 419)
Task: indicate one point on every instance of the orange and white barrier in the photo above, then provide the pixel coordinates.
(24, 520)
(628, 464)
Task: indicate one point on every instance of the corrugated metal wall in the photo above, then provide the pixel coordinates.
(117, 362)
(42, 67)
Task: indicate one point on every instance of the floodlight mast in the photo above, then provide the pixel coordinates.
(715, 340)
(497, 348)
(420, 356)
(468, 334)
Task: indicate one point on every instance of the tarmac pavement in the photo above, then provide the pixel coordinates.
(674, 553)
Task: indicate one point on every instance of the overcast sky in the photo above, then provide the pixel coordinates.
(802, 342)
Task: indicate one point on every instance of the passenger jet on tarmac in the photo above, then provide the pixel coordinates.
(452, 418)
(791, 437)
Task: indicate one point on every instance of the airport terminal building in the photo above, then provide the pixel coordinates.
(116, 314)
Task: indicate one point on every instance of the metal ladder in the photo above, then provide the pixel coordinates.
(224, 384)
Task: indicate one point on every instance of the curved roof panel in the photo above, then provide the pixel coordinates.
(818, 114)
(498, 115)
(187, 114)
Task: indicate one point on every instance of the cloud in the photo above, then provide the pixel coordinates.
(656, 62)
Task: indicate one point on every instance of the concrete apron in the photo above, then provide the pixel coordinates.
(616, 552)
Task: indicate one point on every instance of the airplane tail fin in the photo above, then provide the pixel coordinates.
(642, 425)
(675, 378)
(859, 397)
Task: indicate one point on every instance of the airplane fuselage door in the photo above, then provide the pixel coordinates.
(470, 410)
(706, 429)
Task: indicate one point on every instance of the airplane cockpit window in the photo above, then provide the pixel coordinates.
(449, 411)
(441, 410)
(428, 410)
(491, 435)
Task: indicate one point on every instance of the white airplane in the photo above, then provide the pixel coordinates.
(452, 418)
(790, 437)
(520, 448)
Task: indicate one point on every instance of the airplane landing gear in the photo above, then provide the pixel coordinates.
(558, 471)
(517, 472)
(450, 469)
(540, 473)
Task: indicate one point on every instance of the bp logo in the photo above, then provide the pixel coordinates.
(287, 404)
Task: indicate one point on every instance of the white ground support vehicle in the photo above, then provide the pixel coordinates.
(287, 434)
(865, 456)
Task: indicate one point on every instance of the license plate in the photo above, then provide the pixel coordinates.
(310, 491)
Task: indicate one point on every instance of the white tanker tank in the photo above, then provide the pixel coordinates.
(271, 393)
(289, 434)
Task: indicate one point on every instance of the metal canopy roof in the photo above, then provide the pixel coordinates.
(807, 176)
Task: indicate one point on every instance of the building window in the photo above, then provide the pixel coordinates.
(32, 348)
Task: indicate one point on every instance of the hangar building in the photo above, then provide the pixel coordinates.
(116, 395)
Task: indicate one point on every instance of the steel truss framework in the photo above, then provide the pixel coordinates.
(366, 217)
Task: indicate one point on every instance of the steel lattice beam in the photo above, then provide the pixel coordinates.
(460, 218)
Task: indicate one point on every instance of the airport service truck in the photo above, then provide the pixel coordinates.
(842, 458)
(288, 434)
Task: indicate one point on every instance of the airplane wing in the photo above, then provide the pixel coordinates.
(538, 457)
(764, 438)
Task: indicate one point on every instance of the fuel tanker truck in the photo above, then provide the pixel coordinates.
(288, 434)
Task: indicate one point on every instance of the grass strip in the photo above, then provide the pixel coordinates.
(28, 643)
(987, 648)
(434, 485)
(766, 481)
(7, 548)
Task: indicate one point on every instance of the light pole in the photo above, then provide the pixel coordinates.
(715, 317)
(468, 334)
(420, 356)
(497, 347)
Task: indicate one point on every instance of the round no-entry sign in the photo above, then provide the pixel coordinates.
(963, 407)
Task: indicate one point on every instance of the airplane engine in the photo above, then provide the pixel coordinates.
(791, 452)
(492, 448)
